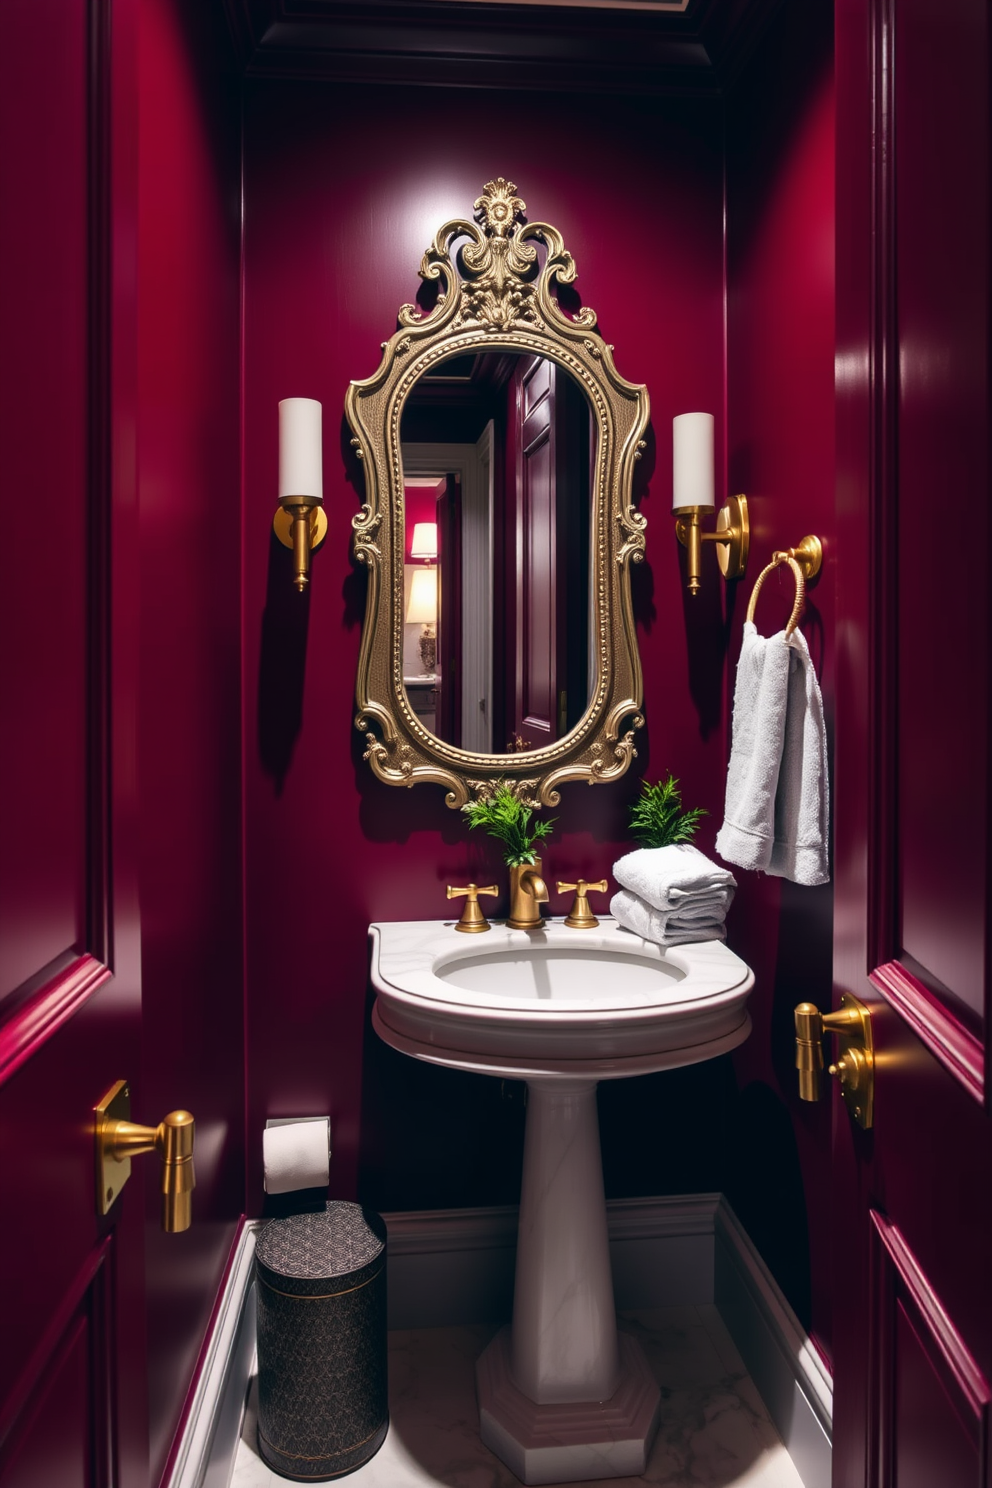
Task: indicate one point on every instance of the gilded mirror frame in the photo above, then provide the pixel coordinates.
(497, 291)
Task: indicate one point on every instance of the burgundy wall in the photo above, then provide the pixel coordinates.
(344, 190)
(780, 334)
(190, 700)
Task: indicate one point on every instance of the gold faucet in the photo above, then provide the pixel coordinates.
(527, 891)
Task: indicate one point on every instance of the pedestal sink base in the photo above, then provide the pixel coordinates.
(568, 1442)
(562, 1398)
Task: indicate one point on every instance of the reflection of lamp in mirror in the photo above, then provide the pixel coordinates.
(300, 522)
(421, 610)
(693, 498)
(424, 541)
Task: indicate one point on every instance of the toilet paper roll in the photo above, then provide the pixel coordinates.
(295, 1154)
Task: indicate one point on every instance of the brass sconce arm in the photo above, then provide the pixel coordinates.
(300, 524)
(732, 536)
(855, 1064)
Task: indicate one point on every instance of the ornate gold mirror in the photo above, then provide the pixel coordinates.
(498, 443)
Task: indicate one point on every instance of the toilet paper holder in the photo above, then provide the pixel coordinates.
(296, 1180)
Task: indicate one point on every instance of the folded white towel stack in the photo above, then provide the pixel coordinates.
(776, 808)
(634, 913)
(672, 895)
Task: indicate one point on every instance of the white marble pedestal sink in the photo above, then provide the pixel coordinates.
(562, 1396)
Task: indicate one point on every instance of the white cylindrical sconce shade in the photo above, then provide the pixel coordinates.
(424, 544)
(692, 463)
(301, 465)
(422, 605)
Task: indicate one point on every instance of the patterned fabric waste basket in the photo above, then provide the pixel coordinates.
(322, 1405)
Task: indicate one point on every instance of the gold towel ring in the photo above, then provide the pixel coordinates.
(800, 604)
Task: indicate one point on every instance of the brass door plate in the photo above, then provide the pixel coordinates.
(111, 1172)
(854, 1066)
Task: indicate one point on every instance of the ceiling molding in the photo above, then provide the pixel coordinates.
(647, 47)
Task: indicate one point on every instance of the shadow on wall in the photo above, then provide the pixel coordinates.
(282, 665)
(765, 1187)
(434, 1138)
(666, 1133)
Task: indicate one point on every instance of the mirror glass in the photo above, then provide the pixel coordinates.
(497, 604)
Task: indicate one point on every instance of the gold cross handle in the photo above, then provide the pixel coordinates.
(580, 916)
(473, 921)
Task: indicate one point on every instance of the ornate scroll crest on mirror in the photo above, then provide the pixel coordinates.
(497, 281)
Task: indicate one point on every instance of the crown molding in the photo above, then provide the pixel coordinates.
(647, 47)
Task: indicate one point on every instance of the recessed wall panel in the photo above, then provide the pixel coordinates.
(44, 388)
(942, 310)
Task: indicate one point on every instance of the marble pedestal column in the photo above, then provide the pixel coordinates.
(562, 1397)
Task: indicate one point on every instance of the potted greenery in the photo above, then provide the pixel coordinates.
(657, 818)
(504, 816)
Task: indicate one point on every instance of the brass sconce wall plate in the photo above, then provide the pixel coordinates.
(282, 526)
(497, 278)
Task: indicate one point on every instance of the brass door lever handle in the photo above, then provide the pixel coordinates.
(855, 1063)
(118, 1140)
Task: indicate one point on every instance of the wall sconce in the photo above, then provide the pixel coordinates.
(300, 522)
(693, 498)
(422, 610)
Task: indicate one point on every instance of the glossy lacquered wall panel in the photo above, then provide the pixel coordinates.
(780, 394)
(344, 189)
(190, 698)
(44, 467)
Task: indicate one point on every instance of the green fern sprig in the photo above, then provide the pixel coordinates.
(657, 818)
(504, 816)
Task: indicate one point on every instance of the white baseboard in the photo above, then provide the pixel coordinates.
(454, 1266)
(209, 1440)
(790, 1376)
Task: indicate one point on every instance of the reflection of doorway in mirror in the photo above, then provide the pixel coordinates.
(548, 583)
(433, 468)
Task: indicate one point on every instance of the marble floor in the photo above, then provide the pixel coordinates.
(715, 1431)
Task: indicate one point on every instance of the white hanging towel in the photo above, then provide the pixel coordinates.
(635, 914)
(802, 800)
(675, 877)
(761, 692)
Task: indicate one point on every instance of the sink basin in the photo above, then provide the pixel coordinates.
(561, 974)
(601, 1002)
(562, 1397)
